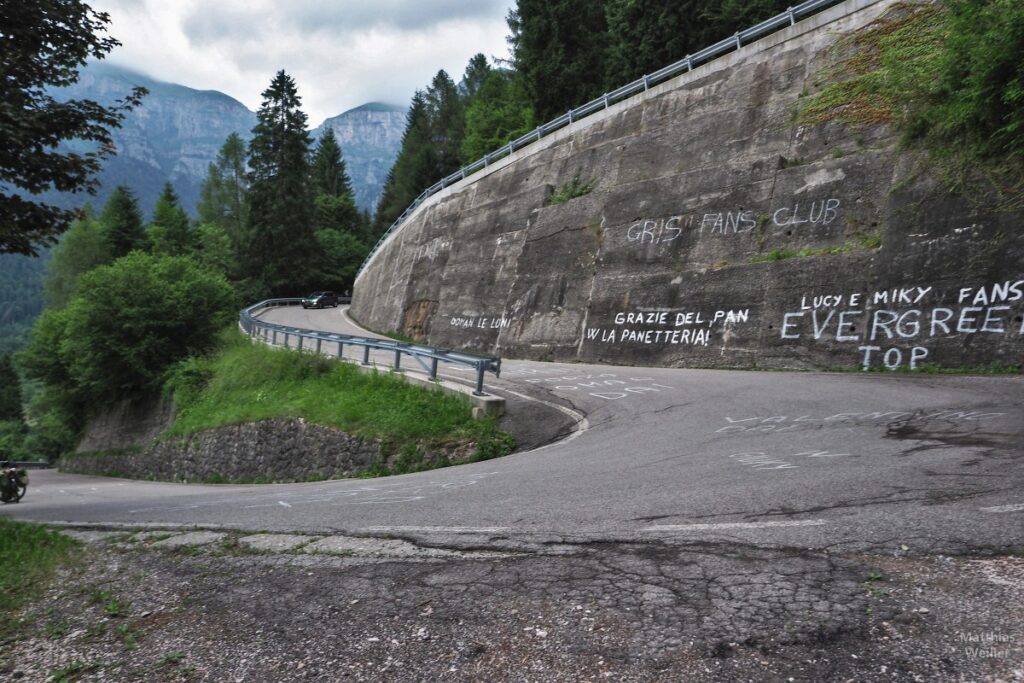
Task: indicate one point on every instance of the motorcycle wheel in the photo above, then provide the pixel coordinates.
(20, 493)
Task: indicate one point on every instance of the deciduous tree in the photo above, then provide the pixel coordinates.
(42, 46)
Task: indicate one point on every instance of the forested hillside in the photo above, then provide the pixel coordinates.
(21, 297)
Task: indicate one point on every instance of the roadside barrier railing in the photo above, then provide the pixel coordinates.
(642, 84)
(428, 357)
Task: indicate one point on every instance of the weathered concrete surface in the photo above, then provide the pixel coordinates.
(693, 183)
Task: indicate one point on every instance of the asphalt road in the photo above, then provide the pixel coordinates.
(837, 461)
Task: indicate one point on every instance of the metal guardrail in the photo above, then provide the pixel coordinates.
(428, 357)
(734, 42)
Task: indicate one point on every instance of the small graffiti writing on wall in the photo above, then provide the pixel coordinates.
(481, 322)
(890, 327)
(665, 326)
(732, 222)
(432, 249)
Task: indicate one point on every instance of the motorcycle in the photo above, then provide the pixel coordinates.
(13, 483)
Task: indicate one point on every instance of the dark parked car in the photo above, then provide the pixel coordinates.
(320, 300)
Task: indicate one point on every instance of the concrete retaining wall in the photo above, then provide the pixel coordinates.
(694, 183)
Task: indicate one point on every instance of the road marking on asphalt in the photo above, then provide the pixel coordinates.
(582, 423)
(1018, 507)
(438, 529)
(283, 504)
(733, 525)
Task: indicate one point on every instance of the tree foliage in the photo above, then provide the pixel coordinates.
(979, 98)
(122, 223)
(43, 46)
(279, 241)
(223, 193)
(126, 324)
(80, 249)
(10, 391)
(498, 113)
(558, 46)
(170, 233)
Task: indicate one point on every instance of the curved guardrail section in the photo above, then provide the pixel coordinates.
(734, 42)
(428, 357)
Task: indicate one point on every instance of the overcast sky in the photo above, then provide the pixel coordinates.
(341, 53)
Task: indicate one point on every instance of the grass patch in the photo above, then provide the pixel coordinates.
(29, 553)
(571, 190)
(246, 382)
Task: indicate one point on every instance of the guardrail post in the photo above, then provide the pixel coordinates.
(300, 342)
(738, 44)
(646, 83)
(319, 341)
(275, 338)
(570, 116)
(792, 18)
(689, 63)
(433, 368)
(479, 381)
(286, 340)
(366, 355)
(341, 350)
(398, 360)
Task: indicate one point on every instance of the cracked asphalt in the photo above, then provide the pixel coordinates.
(661, 524)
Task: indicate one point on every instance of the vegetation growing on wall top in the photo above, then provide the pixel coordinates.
(950, 77)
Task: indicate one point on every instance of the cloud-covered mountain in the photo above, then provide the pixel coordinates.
(173, 136)
(370, 137)
(177, 131)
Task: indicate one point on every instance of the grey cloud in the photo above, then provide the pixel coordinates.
(218, 23)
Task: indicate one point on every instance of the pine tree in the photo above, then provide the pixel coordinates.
(500, 112)
(645, 35)
(446, 114)
(558, 46)
(414, 168)
(169, 232)
(223, 193)
(329, 173)
(122, 223)
(473, 78)
(339, 233)
(280, 244)
(10, 391)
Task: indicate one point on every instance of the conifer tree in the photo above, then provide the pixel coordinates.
(279, 242)
(329, 173)
(223, 193)
(558, 46)
(169, 232)
(10, 391)
(414, 166)
(122, 223)
(473, 78)
(446, 113)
